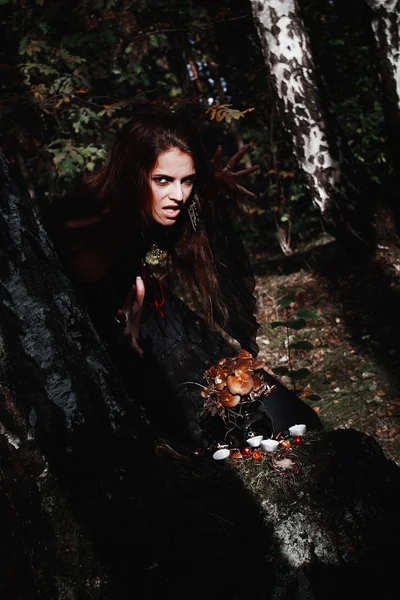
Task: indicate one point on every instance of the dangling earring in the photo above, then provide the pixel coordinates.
(193, 214)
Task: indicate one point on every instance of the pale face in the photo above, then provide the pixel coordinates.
(171, 183)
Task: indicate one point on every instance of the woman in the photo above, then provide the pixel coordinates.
(155, 197)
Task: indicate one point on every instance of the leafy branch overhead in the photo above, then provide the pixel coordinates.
(225, 112)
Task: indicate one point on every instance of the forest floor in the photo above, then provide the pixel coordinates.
(355, 360)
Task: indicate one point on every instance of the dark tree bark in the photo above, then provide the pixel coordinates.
(93, 507)
(61, 407)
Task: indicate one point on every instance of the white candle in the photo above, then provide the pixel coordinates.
(297, 430)
(254, 441)
(269, 445)
(221, 454)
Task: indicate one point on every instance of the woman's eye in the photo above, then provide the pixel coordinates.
(160, 180)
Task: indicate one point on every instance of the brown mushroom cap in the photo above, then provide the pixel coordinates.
(206, 392)
(243, 363)
(228, 400)
(240, 383)
(244, 354)
(257, 364)
(257, 382)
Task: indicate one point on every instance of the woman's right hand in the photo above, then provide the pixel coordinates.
(131, 313)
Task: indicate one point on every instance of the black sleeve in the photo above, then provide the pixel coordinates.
(236, 280)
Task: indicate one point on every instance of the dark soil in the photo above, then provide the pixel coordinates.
(356, 356)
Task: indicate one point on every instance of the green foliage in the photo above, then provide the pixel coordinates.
(75, 70)
(70, 160)
(78, 69)
(295, 320)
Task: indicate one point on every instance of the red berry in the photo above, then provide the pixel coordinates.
(246, 451)
(297, 440)
(257, 455)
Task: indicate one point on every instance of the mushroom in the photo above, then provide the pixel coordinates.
(240, 383)
(244, 354)
(242, 363)
(220, 379)
(257, 382)
(228, 400)
(257, 364)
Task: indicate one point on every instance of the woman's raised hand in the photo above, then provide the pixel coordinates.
(227, 175)
(131, 313)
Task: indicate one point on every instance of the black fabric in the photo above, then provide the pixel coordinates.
(235, 278)
(178, 348)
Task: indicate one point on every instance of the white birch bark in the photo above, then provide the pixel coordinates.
(386, 28)
(286, 50)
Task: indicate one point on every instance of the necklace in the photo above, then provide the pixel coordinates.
(155, 255)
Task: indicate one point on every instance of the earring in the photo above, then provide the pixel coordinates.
(193, 215)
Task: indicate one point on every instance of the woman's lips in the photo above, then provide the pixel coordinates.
(171, 212)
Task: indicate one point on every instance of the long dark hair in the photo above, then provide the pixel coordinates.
(121, 194)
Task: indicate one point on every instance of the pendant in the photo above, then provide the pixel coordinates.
(154, 256)
(157, 252)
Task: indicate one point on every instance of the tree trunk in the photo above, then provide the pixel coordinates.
(335, 191)
(92, 509)
(61, 407)
(386, 28)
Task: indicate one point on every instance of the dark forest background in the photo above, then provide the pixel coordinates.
(72, 72)
(94, 505)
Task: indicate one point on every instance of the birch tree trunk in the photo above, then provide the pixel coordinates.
(386, 29)
(287, 53)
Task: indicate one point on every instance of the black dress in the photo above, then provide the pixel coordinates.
(178, 347)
